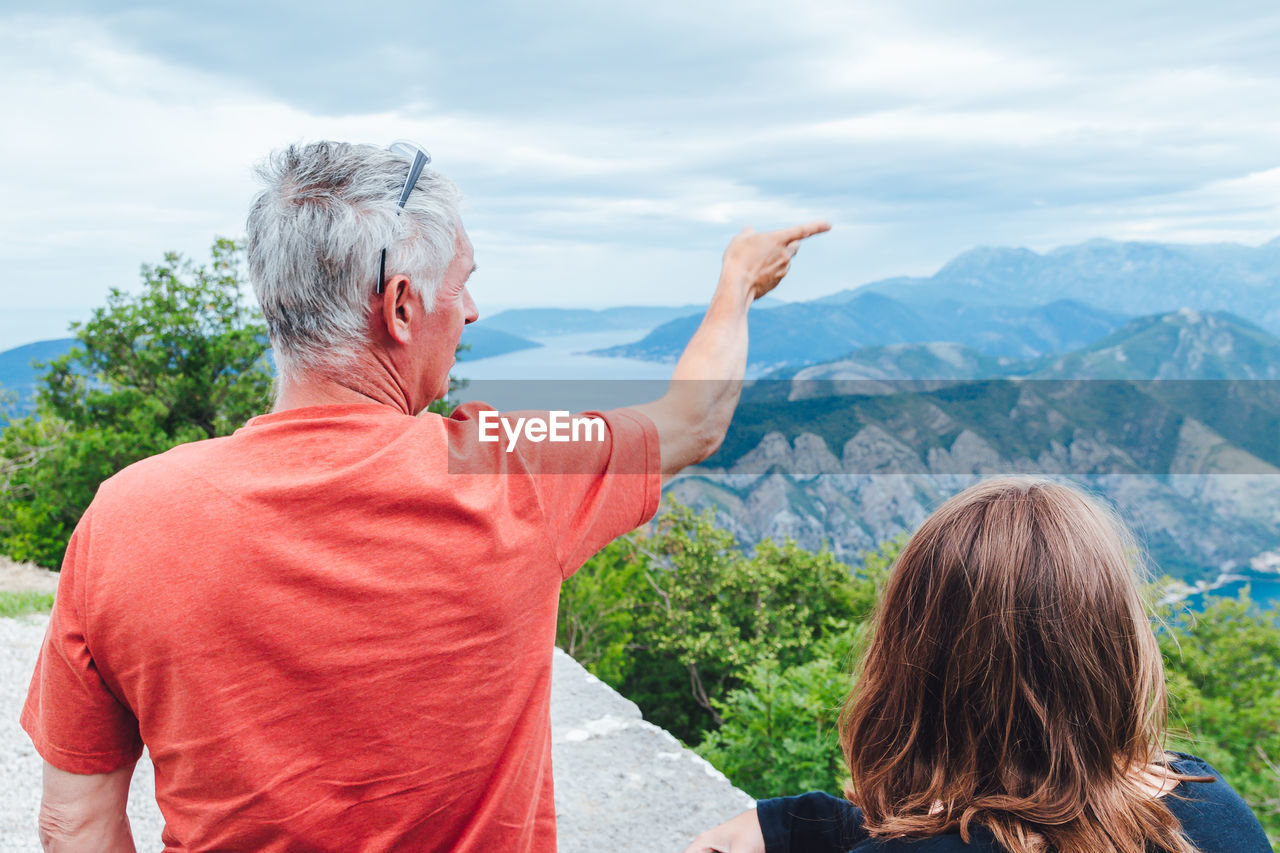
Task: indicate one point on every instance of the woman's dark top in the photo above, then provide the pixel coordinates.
(1211, 813)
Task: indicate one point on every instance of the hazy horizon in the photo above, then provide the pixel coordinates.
(22, 326)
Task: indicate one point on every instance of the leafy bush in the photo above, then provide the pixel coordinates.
(597, 616)
(184, 359)
(779, 734)
(690, 614)
(1222, 668)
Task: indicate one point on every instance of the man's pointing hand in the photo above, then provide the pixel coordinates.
(694, 414)
(762, 259)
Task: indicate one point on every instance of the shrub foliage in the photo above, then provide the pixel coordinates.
(182, 359)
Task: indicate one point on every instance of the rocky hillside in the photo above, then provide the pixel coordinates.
(854, 470)
(1184, 344)
(855, 450)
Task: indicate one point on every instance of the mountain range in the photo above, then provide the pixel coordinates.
(853, 452)
(1116, 365)
(1007, 302)
(1126, 278)
(18, 376)
(1183, 344)
(801, 333)
(486, 341)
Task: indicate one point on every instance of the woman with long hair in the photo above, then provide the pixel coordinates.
(1011, 699)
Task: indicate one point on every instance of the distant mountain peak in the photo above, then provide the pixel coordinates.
(987, 261)
(996, 252)
(1102, 243)
(1191, 318)
(1182, 344)
(1130, 277)
(865, 298)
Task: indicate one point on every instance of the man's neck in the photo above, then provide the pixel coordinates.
(360, 383)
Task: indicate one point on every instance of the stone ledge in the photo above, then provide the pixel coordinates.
(622, 783)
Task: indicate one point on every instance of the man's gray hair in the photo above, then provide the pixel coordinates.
(315, 234)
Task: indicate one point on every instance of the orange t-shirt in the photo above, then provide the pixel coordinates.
(328, 638)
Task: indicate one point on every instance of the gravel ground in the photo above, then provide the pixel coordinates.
(20, 640)
(24, 577)
(621, 783)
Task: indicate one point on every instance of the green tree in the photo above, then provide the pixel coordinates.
(681, 614)
(597, 616)
(1222, 669)
(715, 612)
(779, 735)
(183, 359)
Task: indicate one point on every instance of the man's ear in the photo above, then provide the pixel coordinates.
(397, 308)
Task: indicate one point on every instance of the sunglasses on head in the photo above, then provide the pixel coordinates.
(420, 158)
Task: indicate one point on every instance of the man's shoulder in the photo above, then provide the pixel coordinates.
(467, 411)
(165, 471)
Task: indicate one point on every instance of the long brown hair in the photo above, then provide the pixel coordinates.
(1012, 680)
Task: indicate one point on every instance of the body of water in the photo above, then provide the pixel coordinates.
(564, 357)
(1264, 589)
(561, 375)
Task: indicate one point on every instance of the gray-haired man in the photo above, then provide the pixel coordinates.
(327, 637)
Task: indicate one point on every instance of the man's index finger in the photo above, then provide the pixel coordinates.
(799, 232)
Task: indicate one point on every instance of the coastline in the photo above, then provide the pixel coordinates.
(1263, 567)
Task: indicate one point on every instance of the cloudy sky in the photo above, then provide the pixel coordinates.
(609, 150)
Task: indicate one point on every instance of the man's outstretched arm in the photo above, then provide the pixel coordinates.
(85, 812)
(694, 414)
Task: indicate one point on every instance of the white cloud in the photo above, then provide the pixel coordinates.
(1245, 209)
(932, 68)
(122, 156)
(918, 136)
